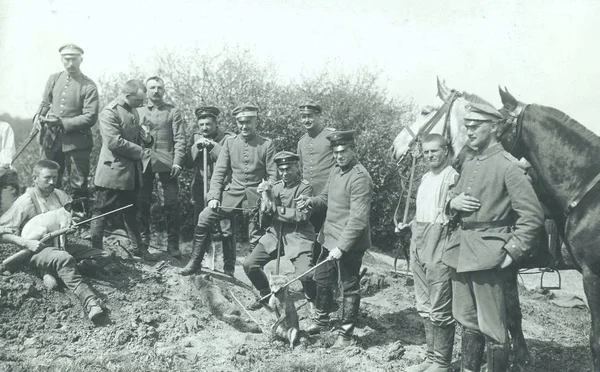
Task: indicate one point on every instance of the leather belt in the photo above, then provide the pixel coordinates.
(472, 225)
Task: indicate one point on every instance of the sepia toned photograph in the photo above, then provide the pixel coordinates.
(284, 185)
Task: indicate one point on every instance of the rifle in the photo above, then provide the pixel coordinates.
(25, 255)
(34, 131)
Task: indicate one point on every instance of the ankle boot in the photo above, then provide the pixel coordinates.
(351, 305)
(443, 340)
(497, 357)
(473, 343)
(429, 356)
(90, 302)
(199, 247)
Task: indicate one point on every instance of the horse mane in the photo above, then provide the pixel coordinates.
(576, 127)
(474, 98)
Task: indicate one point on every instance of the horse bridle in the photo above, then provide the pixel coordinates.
(514, 126)
(426, 129)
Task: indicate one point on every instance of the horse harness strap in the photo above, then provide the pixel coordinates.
(573, 203)
(516, 124)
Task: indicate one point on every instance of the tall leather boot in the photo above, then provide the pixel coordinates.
(497, 357)
(351, 305)
(429, 356)
(473, 343)
(172, 222)
(310, 290)
(90, 302)
(443, 340)
(144, 225)
(323, 304)
(97, 233)
(229, 254)
(199, 247)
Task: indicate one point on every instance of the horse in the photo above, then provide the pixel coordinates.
(447, 120)
(566, 157)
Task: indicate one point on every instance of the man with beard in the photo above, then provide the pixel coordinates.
(67, 113)
(345, 236)
(316, 159)
(498, 215)
(248, 157)
(119, 171)
(48, 261)
(210, 137)
(165, 124)
(433, 286)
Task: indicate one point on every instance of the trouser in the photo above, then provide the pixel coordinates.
(88, 258)
(108, 200)
(60, 263)
(209, 217)
(326, 278)
(317, 219)
(432, 278)
(259, 257)
(228, 227)
(77, 165)
(168, 195)
(478, 302)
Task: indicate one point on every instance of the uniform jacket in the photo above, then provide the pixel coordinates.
(347, 196)
(297, 233)
(504, 191)
(119, 163)
(74, 98)
(250, 162)
(165, 124)
(316, 158)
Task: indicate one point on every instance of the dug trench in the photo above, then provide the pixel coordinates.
(158, 320)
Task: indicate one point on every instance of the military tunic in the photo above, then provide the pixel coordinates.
(297, 237)
(119, 170)
(316, 158)
(347, 196)
(73, 98)
(248, 161)
(478, 247)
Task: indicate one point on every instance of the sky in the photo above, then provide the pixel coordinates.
(545, 52)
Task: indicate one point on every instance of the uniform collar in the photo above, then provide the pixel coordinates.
(152, 105)
(293, 183)
(249, 139)
(315, 134)
(349, 166)
(122, 102)
(492, 150)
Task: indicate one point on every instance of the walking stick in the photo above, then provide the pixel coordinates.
(205, 181)
(279, 232)
(296, 278)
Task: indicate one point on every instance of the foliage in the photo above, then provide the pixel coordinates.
(349, 101)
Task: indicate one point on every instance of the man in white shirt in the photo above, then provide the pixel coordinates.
(433, 287)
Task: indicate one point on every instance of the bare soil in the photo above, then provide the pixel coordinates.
(160, 321)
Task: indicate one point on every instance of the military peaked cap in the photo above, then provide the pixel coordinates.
(70, 49)
(245, 110)
(205, 111)
(310, 107)
(285, 158)
(482, 112)
(339, 140)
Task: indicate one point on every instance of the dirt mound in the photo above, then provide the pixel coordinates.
(158, 321)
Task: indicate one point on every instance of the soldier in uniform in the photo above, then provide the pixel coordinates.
(165, 124)
(291, 231)
(433, 286)
(316, 159)
(499, 215)
(210, 137)
(48, 261)
(345, 235)
(119, 170)
(68, 110)
(248, 157)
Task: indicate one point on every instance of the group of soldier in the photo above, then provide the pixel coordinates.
(466, 231)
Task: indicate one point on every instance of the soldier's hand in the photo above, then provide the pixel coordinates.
(402, 227)
(53, 121)
(204, 142)
(175, 170)
(303, 202)
(214, 204)
(507, 262)
(335, 254)
(465, 203)
(33, 245)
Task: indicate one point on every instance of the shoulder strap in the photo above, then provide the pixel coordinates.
(56, 76)
(34, 200)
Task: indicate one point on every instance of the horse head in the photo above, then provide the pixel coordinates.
(446, 120)
(509, 102)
